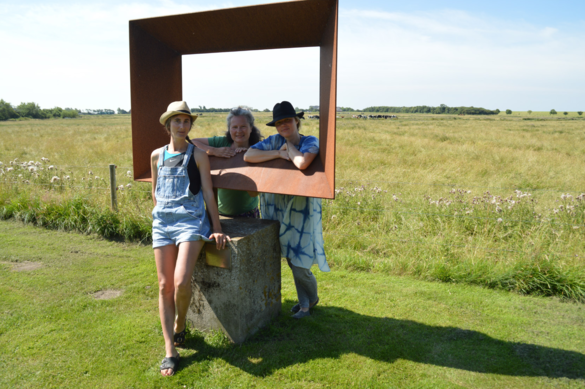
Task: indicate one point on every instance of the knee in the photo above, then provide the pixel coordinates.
(165, 288)
(183, 286)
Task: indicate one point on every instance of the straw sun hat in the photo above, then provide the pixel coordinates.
(177, 108)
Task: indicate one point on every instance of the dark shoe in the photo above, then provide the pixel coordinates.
(300, 314)
(314, 304)
(170, 363)
(179, 338)
(296, 308)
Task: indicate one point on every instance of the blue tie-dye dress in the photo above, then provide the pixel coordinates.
(301, 231)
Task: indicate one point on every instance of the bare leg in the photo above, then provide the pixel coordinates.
(186, 259)
(166, 258)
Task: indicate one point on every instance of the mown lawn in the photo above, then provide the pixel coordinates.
(370, 329)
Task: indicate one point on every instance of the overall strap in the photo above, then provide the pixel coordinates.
(161, 155)
(188, 155)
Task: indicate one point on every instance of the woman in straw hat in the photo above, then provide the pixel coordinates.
(301, 231)
(181, 183)
(240, 135)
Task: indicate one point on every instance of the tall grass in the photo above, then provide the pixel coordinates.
(478, 200)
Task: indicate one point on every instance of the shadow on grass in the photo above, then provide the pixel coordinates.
(331, 332)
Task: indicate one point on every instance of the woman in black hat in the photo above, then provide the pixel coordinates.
(301, 231)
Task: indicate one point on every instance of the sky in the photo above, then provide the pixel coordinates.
(519, 55)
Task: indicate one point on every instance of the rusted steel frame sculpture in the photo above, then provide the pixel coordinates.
(157, 46)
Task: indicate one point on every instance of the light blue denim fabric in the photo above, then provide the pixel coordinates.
(179, 216)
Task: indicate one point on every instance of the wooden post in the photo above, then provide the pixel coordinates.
(113, 188)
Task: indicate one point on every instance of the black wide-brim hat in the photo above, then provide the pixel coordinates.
(283, 110)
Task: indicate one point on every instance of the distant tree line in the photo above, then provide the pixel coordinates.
(33, 111)
(442, 109)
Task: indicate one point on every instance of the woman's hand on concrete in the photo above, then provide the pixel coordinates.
(220, 239)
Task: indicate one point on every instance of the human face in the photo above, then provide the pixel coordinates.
(240, 131)
(180, 126)
(287, 128)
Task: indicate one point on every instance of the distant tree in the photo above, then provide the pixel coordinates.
(529, 112)
(69, 113)
(508, 112)
(32, 110)
(553, 112)
(6, 111)
(121, 111)
(565, 113)
(266, 110)
(580, 113)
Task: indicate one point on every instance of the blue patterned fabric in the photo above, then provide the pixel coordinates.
(308, 144)
(301, 229)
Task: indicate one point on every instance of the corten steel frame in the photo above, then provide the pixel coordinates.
(157, 46)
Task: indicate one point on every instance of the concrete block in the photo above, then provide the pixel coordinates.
(245, 297)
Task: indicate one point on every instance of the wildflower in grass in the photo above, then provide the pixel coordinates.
(128, 173)
(55, 179)
(67, 178)
(32, 169)
(499, 220)
(51, 167)
(128, 186)
(97, 178)
(26, 181)
(45, 160)
(1, 163)
(121, 187)
(9, 169)
(575, 227)
(20, 176)
(90, 173)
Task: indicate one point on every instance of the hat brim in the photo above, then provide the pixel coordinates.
(165, 116)
(273, 122)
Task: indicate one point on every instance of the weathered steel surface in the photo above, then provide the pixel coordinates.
(156, 47)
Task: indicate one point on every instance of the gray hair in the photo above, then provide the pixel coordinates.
(240, 111)
(255, 135)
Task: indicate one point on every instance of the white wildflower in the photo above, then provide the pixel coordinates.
(499, 220)
(575, 227)
(9, 169)
(31, 163)
(128, 186)
(97, 178)
(51, 167)
(45, 159)
(90, 173)
(1, 163)
(359, 203)
(121, 187)
(26, 181)
(67, 177)
(32, 169)
(129, 173)
(55, 179)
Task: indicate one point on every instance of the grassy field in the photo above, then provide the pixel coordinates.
(371, 330)
(493, 201)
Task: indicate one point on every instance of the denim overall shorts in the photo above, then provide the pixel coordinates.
(179, 216)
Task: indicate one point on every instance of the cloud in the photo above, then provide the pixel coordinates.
(77, 55)
(455, 58)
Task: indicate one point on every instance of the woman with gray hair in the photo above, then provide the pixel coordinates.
(240, 135)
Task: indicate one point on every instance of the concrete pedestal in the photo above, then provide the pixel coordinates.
(244, 295)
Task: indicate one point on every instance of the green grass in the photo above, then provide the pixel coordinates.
(369, 330)
(430, 196)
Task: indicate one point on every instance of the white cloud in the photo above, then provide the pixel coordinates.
(77, 55)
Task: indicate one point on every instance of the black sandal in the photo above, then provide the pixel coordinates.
(179, 338)
(170, 363)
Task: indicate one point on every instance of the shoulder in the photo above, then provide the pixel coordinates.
(273, 142)
(155, 154)
(200, 156)
(309, 144)
(218, 141)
